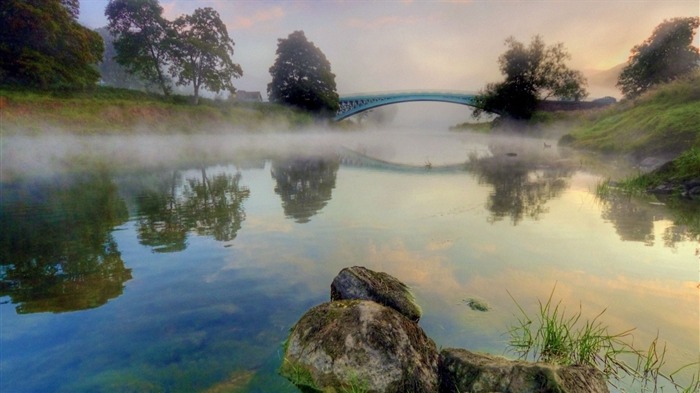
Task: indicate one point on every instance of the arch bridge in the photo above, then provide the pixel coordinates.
(354, 104)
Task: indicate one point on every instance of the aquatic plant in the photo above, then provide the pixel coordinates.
(553, 336)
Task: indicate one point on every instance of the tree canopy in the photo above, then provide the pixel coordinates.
(534, 72)
(141, 39)
(302, 77)
(663, 57)
(43, 45)
(201, 52)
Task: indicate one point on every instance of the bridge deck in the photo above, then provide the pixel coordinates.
(353, 104)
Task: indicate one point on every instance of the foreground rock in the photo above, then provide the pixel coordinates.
(359, 344)
(467, 372)
(363, 284)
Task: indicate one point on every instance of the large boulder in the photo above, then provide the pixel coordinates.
(359, 344)
(468, 372)
(363, 284)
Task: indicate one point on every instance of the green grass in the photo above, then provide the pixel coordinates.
(557, 337)
(664, 120)
(112, 110)
(684, 168)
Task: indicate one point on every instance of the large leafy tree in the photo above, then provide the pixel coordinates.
(142, 38)
(201, 52)
(43, 45)
(666, 55)
(534, 72)
(302, 77)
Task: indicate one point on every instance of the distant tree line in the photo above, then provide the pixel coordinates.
(538, 72)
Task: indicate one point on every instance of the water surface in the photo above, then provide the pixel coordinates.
(179, 264)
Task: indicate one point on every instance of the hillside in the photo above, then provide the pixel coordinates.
(664, 122)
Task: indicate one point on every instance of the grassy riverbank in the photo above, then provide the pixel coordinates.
(664, 122)
(110, 110)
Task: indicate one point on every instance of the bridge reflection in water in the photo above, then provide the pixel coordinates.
(354, 104)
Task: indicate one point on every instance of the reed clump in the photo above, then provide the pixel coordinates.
(554, 336)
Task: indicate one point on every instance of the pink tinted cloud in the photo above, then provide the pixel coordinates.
(381, 22)
(266, 15)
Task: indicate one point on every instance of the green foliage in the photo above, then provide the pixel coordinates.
(553, 336)
(141, 39)
(685, 167)
(532, 73)
(302, 77)
(663, 57)
(298, 375)
(201, 52)
(42, 45)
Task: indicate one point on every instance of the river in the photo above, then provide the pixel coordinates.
(179, 263)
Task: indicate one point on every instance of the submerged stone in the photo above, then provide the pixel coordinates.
(359, 344)
(477, 304)
(363, 284)
(468, 372)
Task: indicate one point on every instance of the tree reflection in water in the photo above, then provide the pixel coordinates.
(168, 211)
(634, 217)
(521, 187)
(56, 249)
(304, 185)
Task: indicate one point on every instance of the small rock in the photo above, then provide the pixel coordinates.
(359, 283)
(359, 343)
(468, 372)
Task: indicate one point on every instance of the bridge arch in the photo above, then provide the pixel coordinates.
(354, 104)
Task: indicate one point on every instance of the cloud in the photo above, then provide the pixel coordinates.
(261, 16)
(381, 22)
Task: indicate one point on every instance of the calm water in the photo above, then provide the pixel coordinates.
(147, 273)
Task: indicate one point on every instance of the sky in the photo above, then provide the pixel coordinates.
(376, 46)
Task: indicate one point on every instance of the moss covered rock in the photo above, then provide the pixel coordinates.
(361, 283)
(468, 372)
(359, 344)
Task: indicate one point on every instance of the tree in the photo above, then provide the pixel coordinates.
(663, 57)
(141, 39)
(201, 52)
(302, 77)
(114, 74)
(43, 45)
(536, 72)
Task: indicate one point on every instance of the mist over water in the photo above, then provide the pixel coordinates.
(44, 155)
